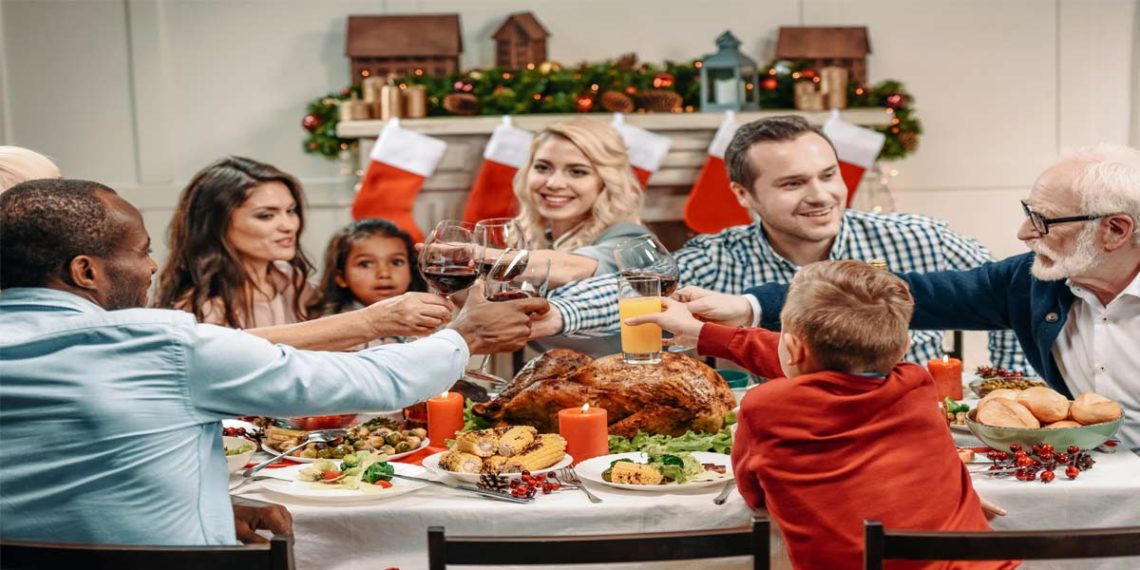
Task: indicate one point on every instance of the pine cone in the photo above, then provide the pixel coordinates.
(659, 101)
(909, 141)
(492, 482)
(616, 102)
(461, 104)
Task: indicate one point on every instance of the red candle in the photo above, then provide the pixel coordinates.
(586, 431)
(947, 373)
(444, 417)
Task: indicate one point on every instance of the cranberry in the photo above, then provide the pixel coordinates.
(1022, 475)
(1110, 443)
(1024, 462)
(551, 475)
(1047, 448)
(1062, 457)
(1031, 475)
(1073, 450)
(1071, 472)
(1047, 476)
(1014, 447)
(1046, 456)
(1002, 455)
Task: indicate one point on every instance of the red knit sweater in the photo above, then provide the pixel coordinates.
(826, 451)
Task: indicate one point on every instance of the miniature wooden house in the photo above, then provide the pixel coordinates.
(519, 41)
(844, 47)
(401, 45)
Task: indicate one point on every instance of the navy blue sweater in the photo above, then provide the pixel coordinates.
(998, 295)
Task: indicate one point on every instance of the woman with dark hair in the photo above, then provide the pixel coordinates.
(234, 254)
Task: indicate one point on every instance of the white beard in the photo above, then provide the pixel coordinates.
(1081, 260)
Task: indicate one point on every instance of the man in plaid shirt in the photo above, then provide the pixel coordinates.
(787, 173)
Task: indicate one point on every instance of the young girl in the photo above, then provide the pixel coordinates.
(367, 261)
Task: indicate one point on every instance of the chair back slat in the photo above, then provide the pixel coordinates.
(19, 555)
(491, 551)
(1001, 545)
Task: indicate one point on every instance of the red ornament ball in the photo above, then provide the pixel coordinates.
(584, 103)
(809, 74)
(769, 83)
(312, 146)
(347, 91)
(463, 87)
(896, 100)
(311, 122)
(663, 80)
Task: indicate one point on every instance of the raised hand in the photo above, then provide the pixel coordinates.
(410, 314)
(498, 327)
(676, 319)
(713, 307)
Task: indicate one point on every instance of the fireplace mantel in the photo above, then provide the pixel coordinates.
(445, 192)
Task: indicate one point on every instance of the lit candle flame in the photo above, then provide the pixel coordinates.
(585, 408)
(945, 358)
(444, 395)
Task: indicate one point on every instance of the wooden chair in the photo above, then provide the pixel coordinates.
(446, 550)
(16, 555)
(1002, 545)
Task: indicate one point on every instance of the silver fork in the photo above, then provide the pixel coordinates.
(568, 474)
(723, 495)
(319, 436)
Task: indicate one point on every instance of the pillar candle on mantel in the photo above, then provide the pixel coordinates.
(586, 431)
(947, 373)
(444, 416)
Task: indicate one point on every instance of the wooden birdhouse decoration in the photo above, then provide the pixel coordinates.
(845, 47)
(519, 41)
(403, 45)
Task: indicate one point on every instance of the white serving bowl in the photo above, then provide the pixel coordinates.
(235, 462)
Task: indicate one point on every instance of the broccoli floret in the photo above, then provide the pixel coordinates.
(379, 471)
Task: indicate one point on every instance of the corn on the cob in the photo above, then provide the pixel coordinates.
(276, 434)
(635, 474)
(483, 443)
(459, 462)
(516, 439)
(494, 463)
(547, 450)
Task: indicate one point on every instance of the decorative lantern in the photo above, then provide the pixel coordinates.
(729, 79)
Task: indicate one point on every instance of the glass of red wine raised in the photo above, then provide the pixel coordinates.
(447, 260)
(515, 276)
(493, 237)
(645, 256)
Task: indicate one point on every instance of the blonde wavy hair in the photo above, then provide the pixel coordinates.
(19, 165)
(619, 201)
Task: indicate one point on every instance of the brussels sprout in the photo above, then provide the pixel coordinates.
(360, 444)
(309, 454)
(342, 450)
(419, 432)
(402, 447)
(387, 450)
(394, 438)
(324, 453)
(361, 432)
(376, 442)
(349, 461)
(383, 432)
(413, 441)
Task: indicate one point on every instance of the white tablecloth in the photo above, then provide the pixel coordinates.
(393, 532)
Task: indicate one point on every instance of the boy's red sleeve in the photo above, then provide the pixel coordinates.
(752, 348)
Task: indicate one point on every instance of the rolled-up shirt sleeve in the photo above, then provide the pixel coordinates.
(231, 373)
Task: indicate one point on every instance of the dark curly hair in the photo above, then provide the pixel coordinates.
(44, 224)
(203, 265)
(332, 297)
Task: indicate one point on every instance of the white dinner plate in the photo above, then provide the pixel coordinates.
(265, 447)
(285, 482)
(591, 470)
(431, 462)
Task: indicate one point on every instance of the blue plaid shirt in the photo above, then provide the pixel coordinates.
(741, 257)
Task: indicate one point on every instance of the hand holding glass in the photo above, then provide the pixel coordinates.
(639, 295)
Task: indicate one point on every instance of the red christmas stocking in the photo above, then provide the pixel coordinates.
(646, 150)
(492, 195)
(711, 206)
(401, 161)
(857, 148)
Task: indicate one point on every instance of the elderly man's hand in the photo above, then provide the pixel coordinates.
(410, 314)
(713, 307)
(498, 327)
(251, 515)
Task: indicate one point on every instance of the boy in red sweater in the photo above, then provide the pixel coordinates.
(842, 432)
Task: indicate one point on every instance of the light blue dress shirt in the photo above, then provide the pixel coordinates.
(110, 425)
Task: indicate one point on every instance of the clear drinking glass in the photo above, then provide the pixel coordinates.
(639, 295)
(447, 261)
(645, 255)
(515, 276)
(492, 237)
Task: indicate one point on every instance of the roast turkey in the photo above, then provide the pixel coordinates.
(677, 395)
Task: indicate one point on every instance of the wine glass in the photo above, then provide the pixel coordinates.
(645, 256)
(447, 260)
(492, 237)
(515, 276)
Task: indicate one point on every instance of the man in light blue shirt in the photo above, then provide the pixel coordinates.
(110, 415)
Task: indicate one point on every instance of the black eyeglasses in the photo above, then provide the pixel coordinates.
(1041, 223)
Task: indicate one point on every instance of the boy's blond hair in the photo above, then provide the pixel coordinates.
(853, 317)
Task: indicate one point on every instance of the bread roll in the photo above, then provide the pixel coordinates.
(1092, 408)
(1047, 404)
(1000, 412)
(1001, 393)
(1063, 424)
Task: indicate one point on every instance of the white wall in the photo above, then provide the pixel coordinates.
(139, 94)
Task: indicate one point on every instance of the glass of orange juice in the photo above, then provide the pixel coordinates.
(640, 295)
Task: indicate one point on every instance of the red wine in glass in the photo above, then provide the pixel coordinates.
(450, 279)
(503, 272)
(513, 295)
(668, 282)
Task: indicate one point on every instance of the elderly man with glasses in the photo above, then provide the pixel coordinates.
(1073, 301)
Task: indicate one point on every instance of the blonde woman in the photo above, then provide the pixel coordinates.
(18, 165)
(578, 199)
